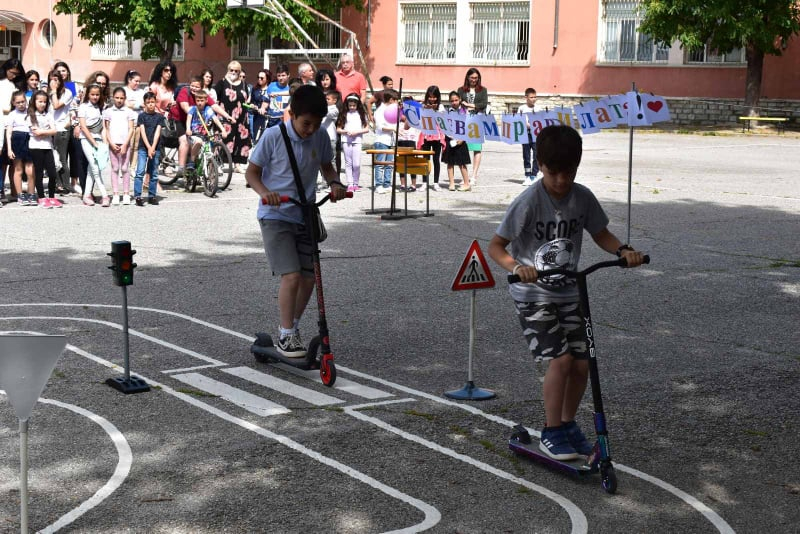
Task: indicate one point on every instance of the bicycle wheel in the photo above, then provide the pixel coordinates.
(211, 177)
(224, 163)
(167, 166)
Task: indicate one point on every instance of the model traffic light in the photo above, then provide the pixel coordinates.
(122, 258)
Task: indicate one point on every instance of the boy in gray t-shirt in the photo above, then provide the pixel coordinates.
(544, 226)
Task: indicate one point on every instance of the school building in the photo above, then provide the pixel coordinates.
(565, 50)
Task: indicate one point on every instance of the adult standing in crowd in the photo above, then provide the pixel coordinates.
(326, 80)
(377, 97)
(349, 80)
(60, 102)
(306, 73)
(12, 78)
(134, 99)
(475, 98)
(208, 83)
(163, 83)
(66, 74)
(232, 94)
(32, 83)
(77, 159)
(259, 99)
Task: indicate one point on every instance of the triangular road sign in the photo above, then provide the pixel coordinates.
(474, 272)
(26, 363)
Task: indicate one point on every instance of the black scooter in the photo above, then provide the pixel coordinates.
(600, 458)
(263, 348)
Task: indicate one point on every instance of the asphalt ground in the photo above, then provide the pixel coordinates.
(697, 352)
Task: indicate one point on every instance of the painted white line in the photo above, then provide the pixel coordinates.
(131, 331)
(579, 523)
(188, 369)
(283, 386)
(432, 515)
(243, 399)
(341, 384)
(709, 514)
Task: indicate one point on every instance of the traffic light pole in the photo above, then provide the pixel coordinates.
(122, 256)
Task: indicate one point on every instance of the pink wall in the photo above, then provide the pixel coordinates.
(570, 68)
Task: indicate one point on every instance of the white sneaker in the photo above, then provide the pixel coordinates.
(115, 200)
(384, 190)
(78, 190)
(527, 181)
(435, 187)
(291, 346)
(126, 200)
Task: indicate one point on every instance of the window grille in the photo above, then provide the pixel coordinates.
(429, 32)
(710, 55)
(500, 31)
(622, 40)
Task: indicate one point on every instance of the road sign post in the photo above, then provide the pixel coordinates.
(122, 267)
(26, 363)
(474, 274)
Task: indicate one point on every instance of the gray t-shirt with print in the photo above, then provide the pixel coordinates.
(547, 234)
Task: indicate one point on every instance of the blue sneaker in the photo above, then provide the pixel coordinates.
(577, 439)
(555, 444)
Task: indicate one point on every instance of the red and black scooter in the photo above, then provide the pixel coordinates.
(263, 348)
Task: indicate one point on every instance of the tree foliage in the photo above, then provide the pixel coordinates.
(758, 26)
(159, 23)
(722, 24)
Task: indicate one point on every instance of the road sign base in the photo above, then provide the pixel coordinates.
(397, 215)
(470, 392)
(131, 385)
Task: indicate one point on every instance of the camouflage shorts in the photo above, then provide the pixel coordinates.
(553, 329)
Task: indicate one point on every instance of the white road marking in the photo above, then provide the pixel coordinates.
(579, 523)
(189, 369)
(131, 331)
(432, 515)
(243, 399)
(342, 384)
(283, 386)
(697, 505)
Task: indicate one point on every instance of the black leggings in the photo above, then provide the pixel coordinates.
(436, 146)
(43, 161)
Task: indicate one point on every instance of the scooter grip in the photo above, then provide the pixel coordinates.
(513, 278)
(284, 198)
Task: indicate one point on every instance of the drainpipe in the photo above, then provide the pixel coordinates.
(555, 28)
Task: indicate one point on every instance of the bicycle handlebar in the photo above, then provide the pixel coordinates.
(621, 262)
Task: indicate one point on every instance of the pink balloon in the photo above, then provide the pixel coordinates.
(390, 113)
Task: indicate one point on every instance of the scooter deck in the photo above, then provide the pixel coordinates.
(522, 444)
(271, 354)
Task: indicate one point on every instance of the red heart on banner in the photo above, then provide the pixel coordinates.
(655, 105)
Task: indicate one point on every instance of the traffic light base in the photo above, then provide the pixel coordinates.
(128, 386)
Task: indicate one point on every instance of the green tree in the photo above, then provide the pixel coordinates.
(759, 26)
(159, 23)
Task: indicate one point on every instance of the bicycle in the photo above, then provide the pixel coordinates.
(206, 168)
(169, 164)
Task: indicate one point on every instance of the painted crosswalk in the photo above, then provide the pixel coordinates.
(258, 404)
(248, 401)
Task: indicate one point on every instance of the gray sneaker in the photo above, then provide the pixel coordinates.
(291, 346)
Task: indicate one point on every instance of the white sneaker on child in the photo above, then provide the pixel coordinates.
(126, 200)
(115, 200)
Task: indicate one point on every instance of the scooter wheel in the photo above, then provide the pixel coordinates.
(327, 370)
(263, 340)
(608, 479)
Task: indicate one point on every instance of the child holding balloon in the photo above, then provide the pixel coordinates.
(385, 125)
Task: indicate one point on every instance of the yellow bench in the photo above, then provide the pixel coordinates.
(779, 121)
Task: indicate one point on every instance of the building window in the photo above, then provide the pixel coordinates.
(710, 55)
(428, 32)
(47, 33)
(116, 46)
(500, 31)
(621, 40)
(11, 42)
(250, 48)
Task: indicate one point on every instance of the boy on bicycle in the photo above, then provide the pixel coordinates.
(198, 124)
(544, 226)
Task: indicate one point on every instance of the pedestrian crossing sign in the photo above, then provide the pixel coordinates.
(474, 272)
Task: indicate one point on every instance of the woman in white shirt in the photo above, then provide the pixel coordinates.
(60, 101)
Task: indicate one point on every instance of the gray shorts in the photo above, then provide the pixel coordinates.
(553, 330)
(288, 247)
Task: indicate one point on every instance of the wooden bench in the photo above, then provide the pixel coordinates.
(780, 122)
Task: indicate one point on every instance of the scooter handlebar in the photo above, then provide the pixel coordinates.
(287, 198)
(621, 262)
